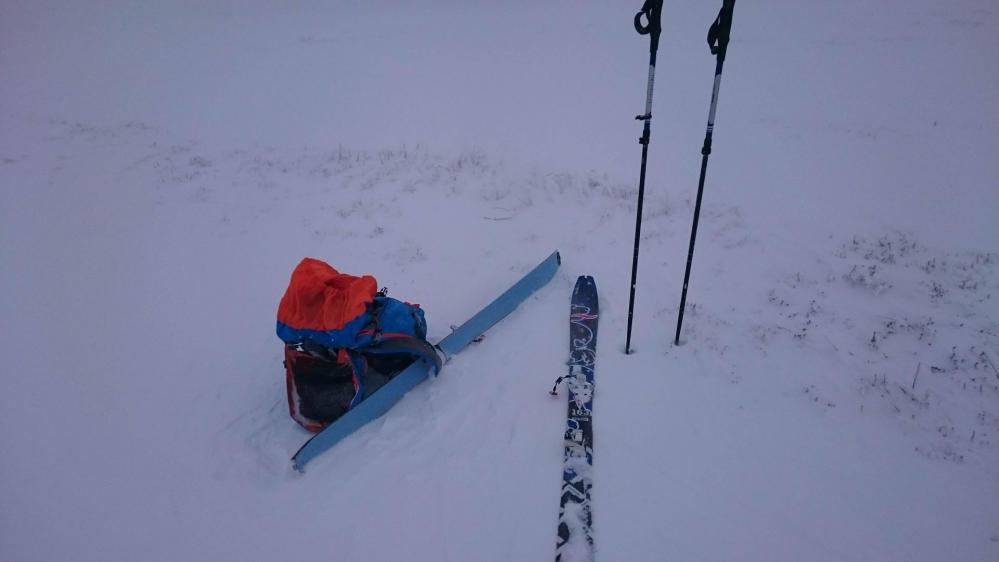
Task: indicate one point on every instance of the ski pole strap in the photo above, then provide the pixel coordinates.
(651, 10)
(718, 33)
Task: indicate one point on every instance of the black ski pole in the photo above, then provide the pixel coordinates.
(718, 35)
(651, 10)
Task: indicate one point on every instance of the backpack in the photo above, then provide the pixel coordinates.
(343, 339)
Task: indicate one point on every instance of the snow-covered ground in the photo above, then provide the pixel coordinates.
(163, 167)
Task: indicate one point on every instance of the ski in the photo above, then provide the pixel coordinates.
(575, 537)
(385, 397)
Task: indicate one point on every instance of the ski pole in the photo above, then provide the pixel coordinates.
(718, 35)
(651, 10)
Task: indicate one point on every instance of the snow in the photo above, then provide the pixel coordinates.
(163, 167)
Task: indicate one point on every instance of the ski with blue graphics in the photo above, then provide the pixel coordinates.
(385, 397)
(575, 534)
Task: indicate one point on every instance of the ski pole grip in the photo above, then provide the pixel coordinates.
(718, 33)
(651, 10)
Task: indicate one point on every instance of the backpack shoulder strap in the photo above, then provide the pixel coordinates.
(407, 344)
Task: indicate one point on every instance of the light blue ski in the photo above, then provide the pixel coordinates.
(385, 397)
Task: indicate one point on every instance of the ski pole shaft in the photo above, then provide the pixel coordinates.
(638, 237)
(718, 37)
(651, 11)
